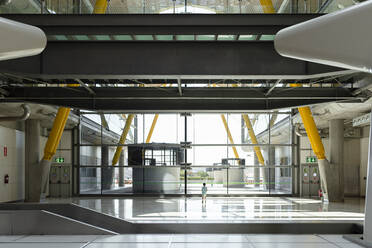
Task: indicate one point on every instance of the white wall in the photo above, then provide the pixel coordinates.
(12, 164)
(364, 143)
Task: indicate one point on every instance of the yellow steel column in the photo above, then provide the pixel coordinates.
(123, 138)
(267, 6)
(229, 135)
(328, 175)
(154, 121)
(312, 132)
(152, 128)
(51, 146)
(56, 133)
(100, 7)
(253, 139)
(311, 129)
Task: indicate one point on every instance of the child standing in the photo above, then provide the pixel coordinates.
(204, 194)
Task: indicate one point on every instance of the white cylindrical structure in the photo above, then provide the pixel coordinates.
(161, 180)
(218, 176)
(340, 39)
(233, 177)
(20, 40)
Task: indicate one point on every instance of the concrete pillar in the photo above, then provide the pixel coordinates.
(268, 174)
(336, 158)
(367, 236)
(104, 156)
(271, 172)
(106, 170)
(32, 160)
(76, 9)
(256, 172)
(121, 170)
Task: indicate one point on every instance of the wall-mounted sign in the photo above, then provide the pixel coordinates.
(59, 160)
(311, 159)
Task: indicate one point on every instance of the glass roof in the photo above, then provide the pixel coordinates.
(174, 6)
(192, 6)
(188, 37)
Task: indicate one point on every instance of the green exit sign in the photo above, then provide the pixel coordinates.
(59, 160)
(311, 160)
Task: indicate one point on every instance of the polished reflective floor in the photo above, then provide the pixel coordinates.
(224, 209)
(178, 241)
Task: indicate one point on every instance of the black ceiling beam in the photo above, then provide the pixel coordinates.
(168, 99)
(182, 105)
(162, 60)
(188, 92)
(161, 24)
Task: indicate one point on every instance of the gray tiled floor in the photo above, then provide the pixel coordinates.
(177, 241)
(57, 239)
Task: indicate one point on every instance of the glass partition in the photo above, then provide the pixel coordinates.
(90, 180)
(213, 177)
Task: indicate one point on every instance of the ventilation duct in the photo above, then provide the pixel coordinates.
(26, 114)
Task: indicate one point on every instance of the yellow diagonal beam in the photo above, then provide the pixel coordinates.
(312, 132)
(267, 6)
(149, 135)
(100, 7)
(123, 138)
(56, 133)
(229, 135)
(252, 135)
(154, 121)
(311, 129)
(228, 129)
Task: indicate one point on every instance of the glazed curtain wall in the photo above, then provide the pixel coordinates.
(210, 157)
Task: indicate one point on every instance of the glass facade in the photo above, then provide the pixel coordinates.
(174, 6)
(184, 151)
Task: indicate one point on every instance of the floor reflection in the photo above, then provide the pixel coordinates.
(225, 209)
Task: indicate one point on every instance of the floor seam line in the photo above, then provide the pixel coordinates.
(88, 243)
(170, 240)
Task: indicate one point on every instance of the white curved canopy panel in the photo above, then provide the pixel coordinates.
(342, 39)
(20, 40)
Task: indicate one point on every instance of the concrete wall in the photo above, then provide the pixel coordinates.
(352, 161)
(355, 161)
